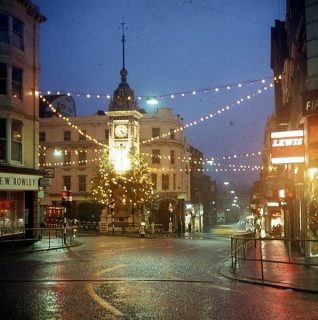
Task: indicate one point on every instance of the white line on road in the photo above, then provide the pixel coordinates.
(103, 303)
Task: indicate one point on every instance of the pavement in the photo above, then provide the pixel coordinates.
(280, 270)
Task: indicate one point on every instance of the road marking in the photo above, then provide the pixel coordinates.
(102, 302)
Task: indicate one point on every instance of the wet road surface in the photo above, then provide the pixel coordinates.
(131, 278)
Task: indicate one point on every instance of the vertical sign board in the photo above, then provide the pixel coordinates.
(287, 147)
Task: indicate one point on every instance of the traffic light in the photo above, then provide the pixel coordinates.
(66, 197)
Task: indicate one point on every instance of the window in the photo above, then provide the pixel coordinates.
(174, 181)
(82, 137)
(67, 182)
(3, 79)
(3, 139)
(16, 140)
(17, 33)
(165, 181)
(156, 156)
(67, 135)
(67, 158)
(154, 180)
(4, 28)
(42, 159)
(172, 157)
(82, 158)
(17, 87)
(155, 132)
(106, 134)
(172, 134)
(82, 183)
(42, 136)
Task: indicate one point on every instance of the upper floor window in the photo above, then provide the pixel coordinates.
(82, 137)
(172, 156)
(4, 28)
(3, 139)
(16, 140)
(156, 156)
(165, 181)
(42, 136)
(106, 134)
(11, 28)
(67, 158)
(42, 159)
(17, 33)
(67, 135)
(154, 181)
(17, 85)
(82, 183)
(172, 134)
(67, 182)
(82, 158)
(155, 132)
(3, 79)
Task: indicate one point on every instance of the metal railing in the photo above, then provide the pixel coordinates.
(248, 248)
(36, 238)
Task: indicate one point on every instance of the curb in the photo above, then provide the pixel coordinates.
(230, 275)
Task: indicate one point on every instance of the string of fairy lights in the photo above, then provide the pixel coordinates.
(210, 115)
(171, 95)
(201, 162)
(210, 161)
(166, 134)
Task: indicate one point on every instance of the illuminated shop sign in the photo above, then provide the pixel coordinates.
(287, 147)
(11, 181)
(310, 102)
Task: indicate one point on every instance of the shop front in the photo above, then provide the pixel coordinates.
(18, 202)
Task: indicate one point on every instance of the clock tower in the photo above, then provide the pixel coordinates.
(123, 113)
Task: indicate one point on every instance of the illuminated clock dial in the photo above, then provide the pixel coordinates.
(121, 131)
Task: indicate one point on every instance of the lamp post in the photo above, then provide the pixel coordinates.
(66, 196)
(112, 211)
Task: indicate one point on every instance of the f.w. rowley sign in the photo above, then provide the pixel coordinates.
(11, 181)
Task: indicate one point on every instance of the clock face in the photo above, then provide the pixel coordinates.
(121, 131)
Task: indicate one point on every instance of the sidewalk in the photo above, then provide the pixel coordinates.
(279, 272)
(32, 245)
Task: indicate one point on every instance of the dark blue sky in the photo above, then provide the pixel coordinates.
(171, 47)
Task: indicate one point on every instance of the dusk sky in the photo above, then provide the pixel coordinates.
(172, 47)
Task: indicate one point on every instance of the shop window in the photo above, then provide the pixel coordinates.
(67, 135)
(3, 79)
(17, 33)
(155, 132)
(3, 139)
(67, 182)
(155, 156)
(17, 85)
(16, 140)
(82, 183)
(165, 181)
(154, 180)
(82, 137)
(4, 28)
(82, 158)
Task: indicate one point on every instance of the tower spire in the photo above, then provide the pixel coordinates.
(123, 41)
